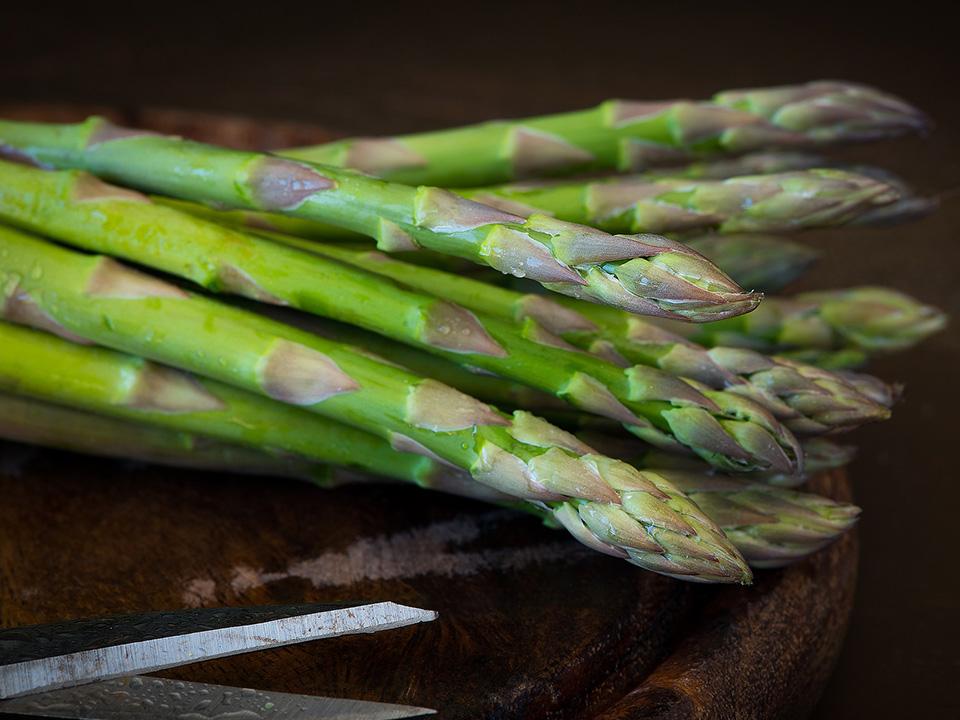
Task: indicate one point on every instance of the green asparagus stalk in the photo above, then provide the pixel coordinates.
(647, 274)
(628, 136)
(837, 328)
(821, 454)
(762, 527)
(867, 397)
(748, 203)
(807, 399)
(750, 164)
(579, 200)
(605, 503)
(727, 430)
(766, 263)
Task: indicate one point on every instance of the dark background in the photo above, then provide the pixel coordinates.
(415, 66)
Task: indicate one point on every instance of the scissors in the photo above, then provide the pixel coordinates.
(90, 669)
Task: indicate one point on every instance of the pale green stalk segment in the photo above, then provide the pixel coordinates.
(679, 199)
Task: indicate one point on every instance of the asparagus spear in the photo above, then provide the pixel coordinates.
(838, 328)
(807, 399)
(772, 526)
(766, 263)
(763, 163)
(672, 208)
(725, 429)
(749, 203)
(751, 164)
(39, 423)
(624, 135)
(605, 503)
(819, 453)
(647, 274)
(761, 262)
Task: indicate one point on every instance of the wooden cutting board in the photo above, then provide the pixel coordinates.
(531, 624)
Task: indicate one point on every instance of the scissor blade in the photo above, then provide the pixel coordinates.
(50, 657)
(143, 698)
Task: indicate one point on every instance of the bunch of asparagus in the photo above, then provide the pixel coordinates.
(627, 387)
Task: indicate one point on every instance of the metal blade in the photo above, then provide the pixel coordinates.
(143, 698)
(48, 657)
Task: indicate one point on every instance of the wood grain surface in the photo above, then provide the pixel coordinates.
(531, 624)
